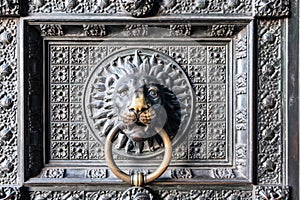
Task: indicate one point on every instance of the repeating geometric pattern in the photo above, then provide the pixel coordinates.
(70, 67)
(207, 72)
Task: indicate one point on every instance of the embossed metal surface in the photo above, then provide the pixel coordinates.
(208, 78)
(240, 63)
(8, 102)
(213, 139)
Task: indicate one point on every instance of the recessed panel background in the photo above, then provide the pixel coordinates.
(208, 138)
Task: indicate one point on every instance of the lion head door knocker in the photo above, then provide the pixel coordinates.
(137, 102)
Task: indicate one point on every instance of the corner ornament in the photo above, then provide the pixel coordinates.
(137, 8)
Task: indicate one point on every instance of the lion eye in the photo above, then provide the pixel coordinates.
(123, 93)
(153, 92)
(123, 90)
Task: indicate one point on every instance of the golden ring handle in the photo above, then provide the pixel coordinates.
(138, 179)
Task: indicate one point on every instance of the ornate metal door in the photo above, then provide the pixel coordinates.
(193, 99)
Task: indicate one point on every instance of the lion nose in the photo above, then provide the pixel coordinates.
(138, 103)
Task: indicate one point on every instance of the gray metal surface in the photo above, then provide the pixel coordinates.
(240, 59)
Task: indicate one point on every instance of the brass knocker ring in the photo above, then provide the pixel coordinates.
(138, 178)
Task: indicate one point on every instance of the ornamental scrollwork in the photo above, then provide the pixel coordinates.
(54, 173)
(183, 173)
(74, 6)
(5, 68)
(9, 7)
(241, 47)
(241, 119)
(5, 135)
(96, 173)
(259, 193)
(40, 6)
(206, 194)
(8, 103)
(57, 195)
(206, 7)
(223, 173)
(169, 6)
(272, 192)
(241, 155)
(137, 193)
(142, 8)
(104, 6)
(222, 30)
(94, 30)
(241, 84)
(137, 8)
(276, 8)
(51, 30)
(180, 30)
(6, 165)
(137, 30)
(76, 195)
(12, 193)
(270, 144)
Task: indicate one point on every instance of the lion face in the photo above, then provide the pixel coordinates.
(138, 103)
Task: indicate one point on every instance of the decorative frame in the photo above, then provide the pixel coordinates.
(218, 55)
(21, 136)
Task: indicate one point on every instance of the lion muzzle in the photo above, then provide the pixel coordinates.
(139, 107)
(138, 103)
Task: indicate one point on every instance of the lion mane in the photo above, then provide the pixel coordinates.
(113, 92)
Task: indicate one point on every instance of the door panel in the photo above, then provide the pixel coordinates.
(219, 70)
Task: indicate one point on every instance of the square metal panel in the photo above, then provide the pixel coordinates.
(235, 65)
(207, 67)
(216, 141)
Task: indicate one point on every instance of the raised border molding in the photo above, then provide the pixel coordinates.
(259, 8)
(271, 24)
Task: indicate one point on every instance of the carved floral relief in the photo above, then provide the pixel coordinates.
(8, 102)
